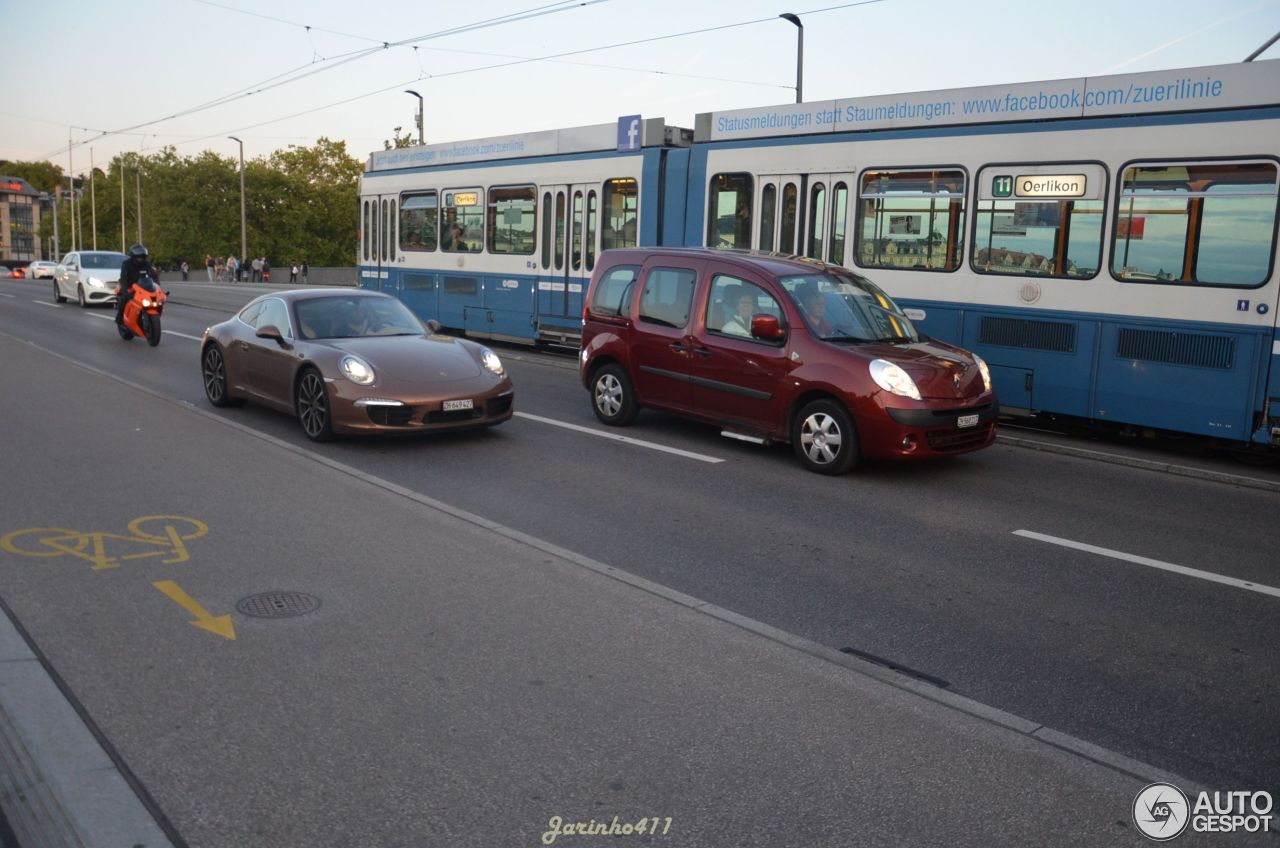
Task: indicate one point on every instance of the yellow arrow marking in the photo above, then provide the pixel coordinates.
(221, 624)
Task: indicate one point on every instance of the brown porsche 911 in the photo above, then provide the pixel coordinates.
(351, 362)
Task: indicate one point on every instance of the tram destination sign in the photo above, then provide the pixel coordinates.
(1039, 185)
(1078, 181)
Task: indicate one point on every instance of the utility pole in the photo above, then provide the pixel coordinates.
(122, 245)
(795, 19)
(138, 173)
(244, 234)
(71, 176)
(93, 203)
(421, 136)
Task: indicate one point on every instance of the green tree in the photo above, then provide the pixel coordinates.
(43, 176)
(398, 141)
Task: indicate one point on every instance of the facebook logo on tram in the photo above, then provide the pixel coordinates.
(629, 133)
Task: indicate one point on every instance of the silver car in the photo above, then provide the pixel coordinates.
(90, 276)
(41, 269)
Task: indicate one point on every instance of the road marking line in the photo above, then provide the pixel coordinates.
(47, 303)
(112, 319)
(2, 294)
(1153, 563)
(624, 439)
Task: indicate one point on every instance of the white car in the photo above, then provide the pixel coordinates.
(41, 269)
(90, 276)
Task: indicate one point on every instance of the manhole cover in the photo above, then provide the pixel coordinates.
(278, 604)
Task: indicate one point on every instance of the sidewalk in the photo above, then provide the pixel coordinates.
(460, 684)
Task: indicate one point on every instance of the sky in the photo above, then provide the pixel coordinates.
(105, 76)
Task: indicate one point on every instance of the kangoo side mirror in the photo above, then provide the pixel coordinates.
(767, 327)
(433, 325)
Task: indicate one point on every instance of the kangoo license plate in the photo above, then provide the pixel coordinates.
(962, 421)
(451, 405)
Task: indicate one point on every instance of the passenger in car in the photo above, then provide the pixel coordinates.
(744, 303)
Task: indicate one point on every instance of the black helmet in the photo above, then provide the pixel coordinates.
(138, 252)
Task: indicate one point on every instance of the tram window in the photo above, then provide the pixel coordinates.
(787, 242)
(364, 230)
(1050, 226)
(419, 215)
(839, 202)
(592, 216)
(559, 230)
(385, 215)
(462, 224)
(546, 230)
(668, 296)
(729, 211)
(911, 219)
(768, 208)
(513, 219)
(1207, 223)
(621, 201)
(577, 231)
(817, 219)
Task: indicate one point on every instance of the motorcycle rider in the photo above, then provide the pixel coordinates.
(133, 269)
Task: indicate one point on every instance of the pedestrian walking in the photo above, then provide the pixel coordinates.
(219, 268)
(186, 269)
(266, 271)
(257, 270)
(233, 269)
(304, 273)
(208, 266)
(293, 273)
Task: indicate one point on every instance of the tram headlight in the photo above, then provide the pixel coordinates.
(491, 361)
(893, 379)
(986, 372)
(356, 370)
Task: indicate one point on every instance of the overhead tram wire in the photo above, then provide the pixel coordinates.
(549, 58)
(275, 82)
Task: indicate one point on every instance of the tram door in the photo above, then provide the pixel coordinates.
(570, 232)
(825, 218)
(779, 219)
(378, 245)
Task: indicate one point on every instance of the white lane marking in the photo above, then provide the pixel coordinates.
(624, 439)
(2, 294)
(1152, 563)
(112, 319)
(47, 303)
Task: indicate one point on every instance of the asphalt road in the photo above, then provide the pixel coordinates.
(921, 567)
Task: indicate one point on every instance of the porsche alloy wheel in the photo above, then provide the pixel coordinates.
(313, 407)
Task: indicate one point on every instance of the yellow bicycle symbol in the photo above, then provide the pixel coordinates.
(157, 536)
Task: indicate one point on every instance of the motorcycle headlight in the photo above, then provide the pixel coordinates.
(986, 372)
(491, 361)
(893, 379)
(146, 302)
(356, 370)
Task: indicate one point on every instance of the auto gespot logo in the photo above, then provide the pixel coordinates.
(1162, 811)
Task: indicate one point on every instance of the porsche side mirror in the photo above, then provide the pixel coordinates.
(270, 331)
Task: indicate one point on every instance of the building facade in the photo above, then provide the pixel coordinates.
(19, 220)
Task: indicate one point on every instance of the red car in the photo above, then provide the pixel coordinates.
(773, 348)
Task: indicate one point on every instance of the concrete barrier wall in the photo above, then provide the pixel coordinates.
(280, 276)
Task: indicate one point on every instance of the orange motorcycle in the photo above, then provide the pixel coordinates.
(141, 315)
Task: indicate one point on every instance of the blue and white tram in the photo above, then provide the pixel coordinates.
(498, 237)
(1108, 245)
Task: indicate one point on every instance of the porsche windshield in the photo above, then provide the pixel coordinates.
(348, 317)
(843, 307)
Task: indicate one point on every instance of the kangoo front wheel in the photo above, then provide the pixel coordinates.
(612, 398)
(824, 438)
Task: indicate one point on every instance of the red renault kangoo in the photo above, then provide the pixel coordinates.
(773, 348)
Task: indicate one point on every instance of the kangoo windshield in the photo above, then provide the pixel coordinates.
(840, 306)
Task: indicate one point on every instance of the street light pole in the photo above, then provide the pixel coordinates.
(795, 19)
(244, 235)
(93, 202)
(122, 247)
(421, 137)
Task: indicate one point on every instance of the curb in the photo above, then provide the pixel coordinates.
(1145, 464)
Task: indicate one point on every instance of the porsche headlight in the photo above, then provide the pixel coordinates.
(893, 379)
(491, 361)
(986, 372)
(356, 370)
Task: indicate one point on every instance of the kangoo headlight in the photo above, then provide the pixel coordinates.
(893, 379)
(356, 370)
(986, 372)
(491, 360)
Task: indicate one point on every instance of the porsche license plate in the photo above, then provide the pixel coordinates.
(451, 405)
(967, 421)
